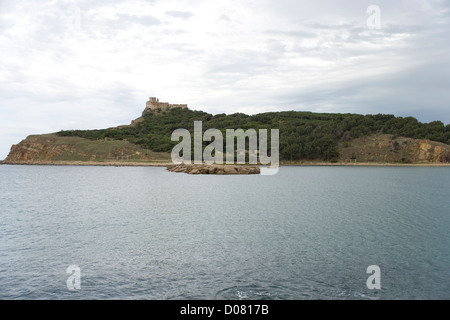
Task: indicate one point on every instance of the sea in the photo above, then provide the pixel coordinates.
(143, 233)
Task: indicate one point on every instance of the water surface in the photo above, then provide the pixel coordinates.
(145, 233)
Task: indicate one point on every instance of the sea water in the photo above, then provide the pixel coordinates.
(146, 233)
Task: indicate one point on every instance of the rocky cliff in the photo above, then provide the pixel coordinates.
(392, 149)
(50, 147)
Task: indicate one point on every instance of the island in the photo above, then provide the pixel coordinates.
(306, 138)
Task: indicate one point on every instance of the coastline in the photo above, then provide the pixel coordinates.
(88, 163)
(165, 164)
(364, 164)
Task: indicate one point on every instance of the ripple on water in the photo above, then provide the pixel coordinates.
(252, 292)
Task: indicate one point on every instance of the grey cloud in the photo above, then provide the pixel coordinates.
(403, 28)
(146, 20)
(170, 32)
(179, 14)
(240, 63)
(418, 92)
(5, 22)
(292, 33)
(224, 17)
(330, 26)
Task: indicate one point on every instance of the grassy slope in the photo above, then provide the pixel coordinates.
(50, 147)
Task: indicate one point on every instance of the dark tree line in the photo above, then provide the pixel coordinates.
(303, 135)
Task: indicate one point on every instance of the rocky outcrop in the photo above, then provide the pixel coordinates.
(36, 148)
(384, 148)
(213, 169)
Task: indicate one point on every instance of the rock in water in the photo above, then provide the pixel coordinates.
(213, 169)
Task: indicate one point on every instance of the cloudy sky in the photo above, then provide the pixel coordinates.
(93, 64)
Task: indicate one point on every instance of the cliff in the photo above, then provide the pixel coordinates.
(388, 148)
(50, 147)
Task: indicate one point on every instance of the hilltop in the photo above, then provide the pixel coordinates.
(304, 137)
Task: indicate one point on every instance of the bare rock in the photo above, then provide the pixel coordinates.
(214, 169)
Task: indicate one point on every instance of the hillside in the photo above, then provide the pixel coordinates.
(51, 147)
(304, 136)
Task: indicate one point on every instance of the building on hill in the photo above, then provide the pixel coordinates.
(153, 104)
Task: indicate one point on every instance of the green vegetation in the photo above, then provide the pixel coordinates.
(303, 135)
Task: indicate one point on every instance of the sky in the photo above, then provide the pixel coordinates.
(93, 64)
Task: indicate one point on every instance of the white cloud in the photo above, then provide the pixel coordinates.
(91, 64)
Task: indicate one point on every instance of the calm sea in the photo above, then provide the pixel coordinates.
(145, 233)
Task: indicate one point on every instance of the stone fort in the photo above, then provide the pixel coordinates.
(153, 104)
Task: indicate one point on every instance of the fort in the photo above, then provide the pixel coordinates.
(153, 104)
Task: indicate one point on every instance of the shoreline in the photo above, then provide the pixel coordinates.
(364, 164)
(165, 164)
(87, 163)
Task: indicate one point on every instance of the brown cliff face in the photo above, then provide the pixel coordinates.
(35, 148)
(50, 147)
(388, 148)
